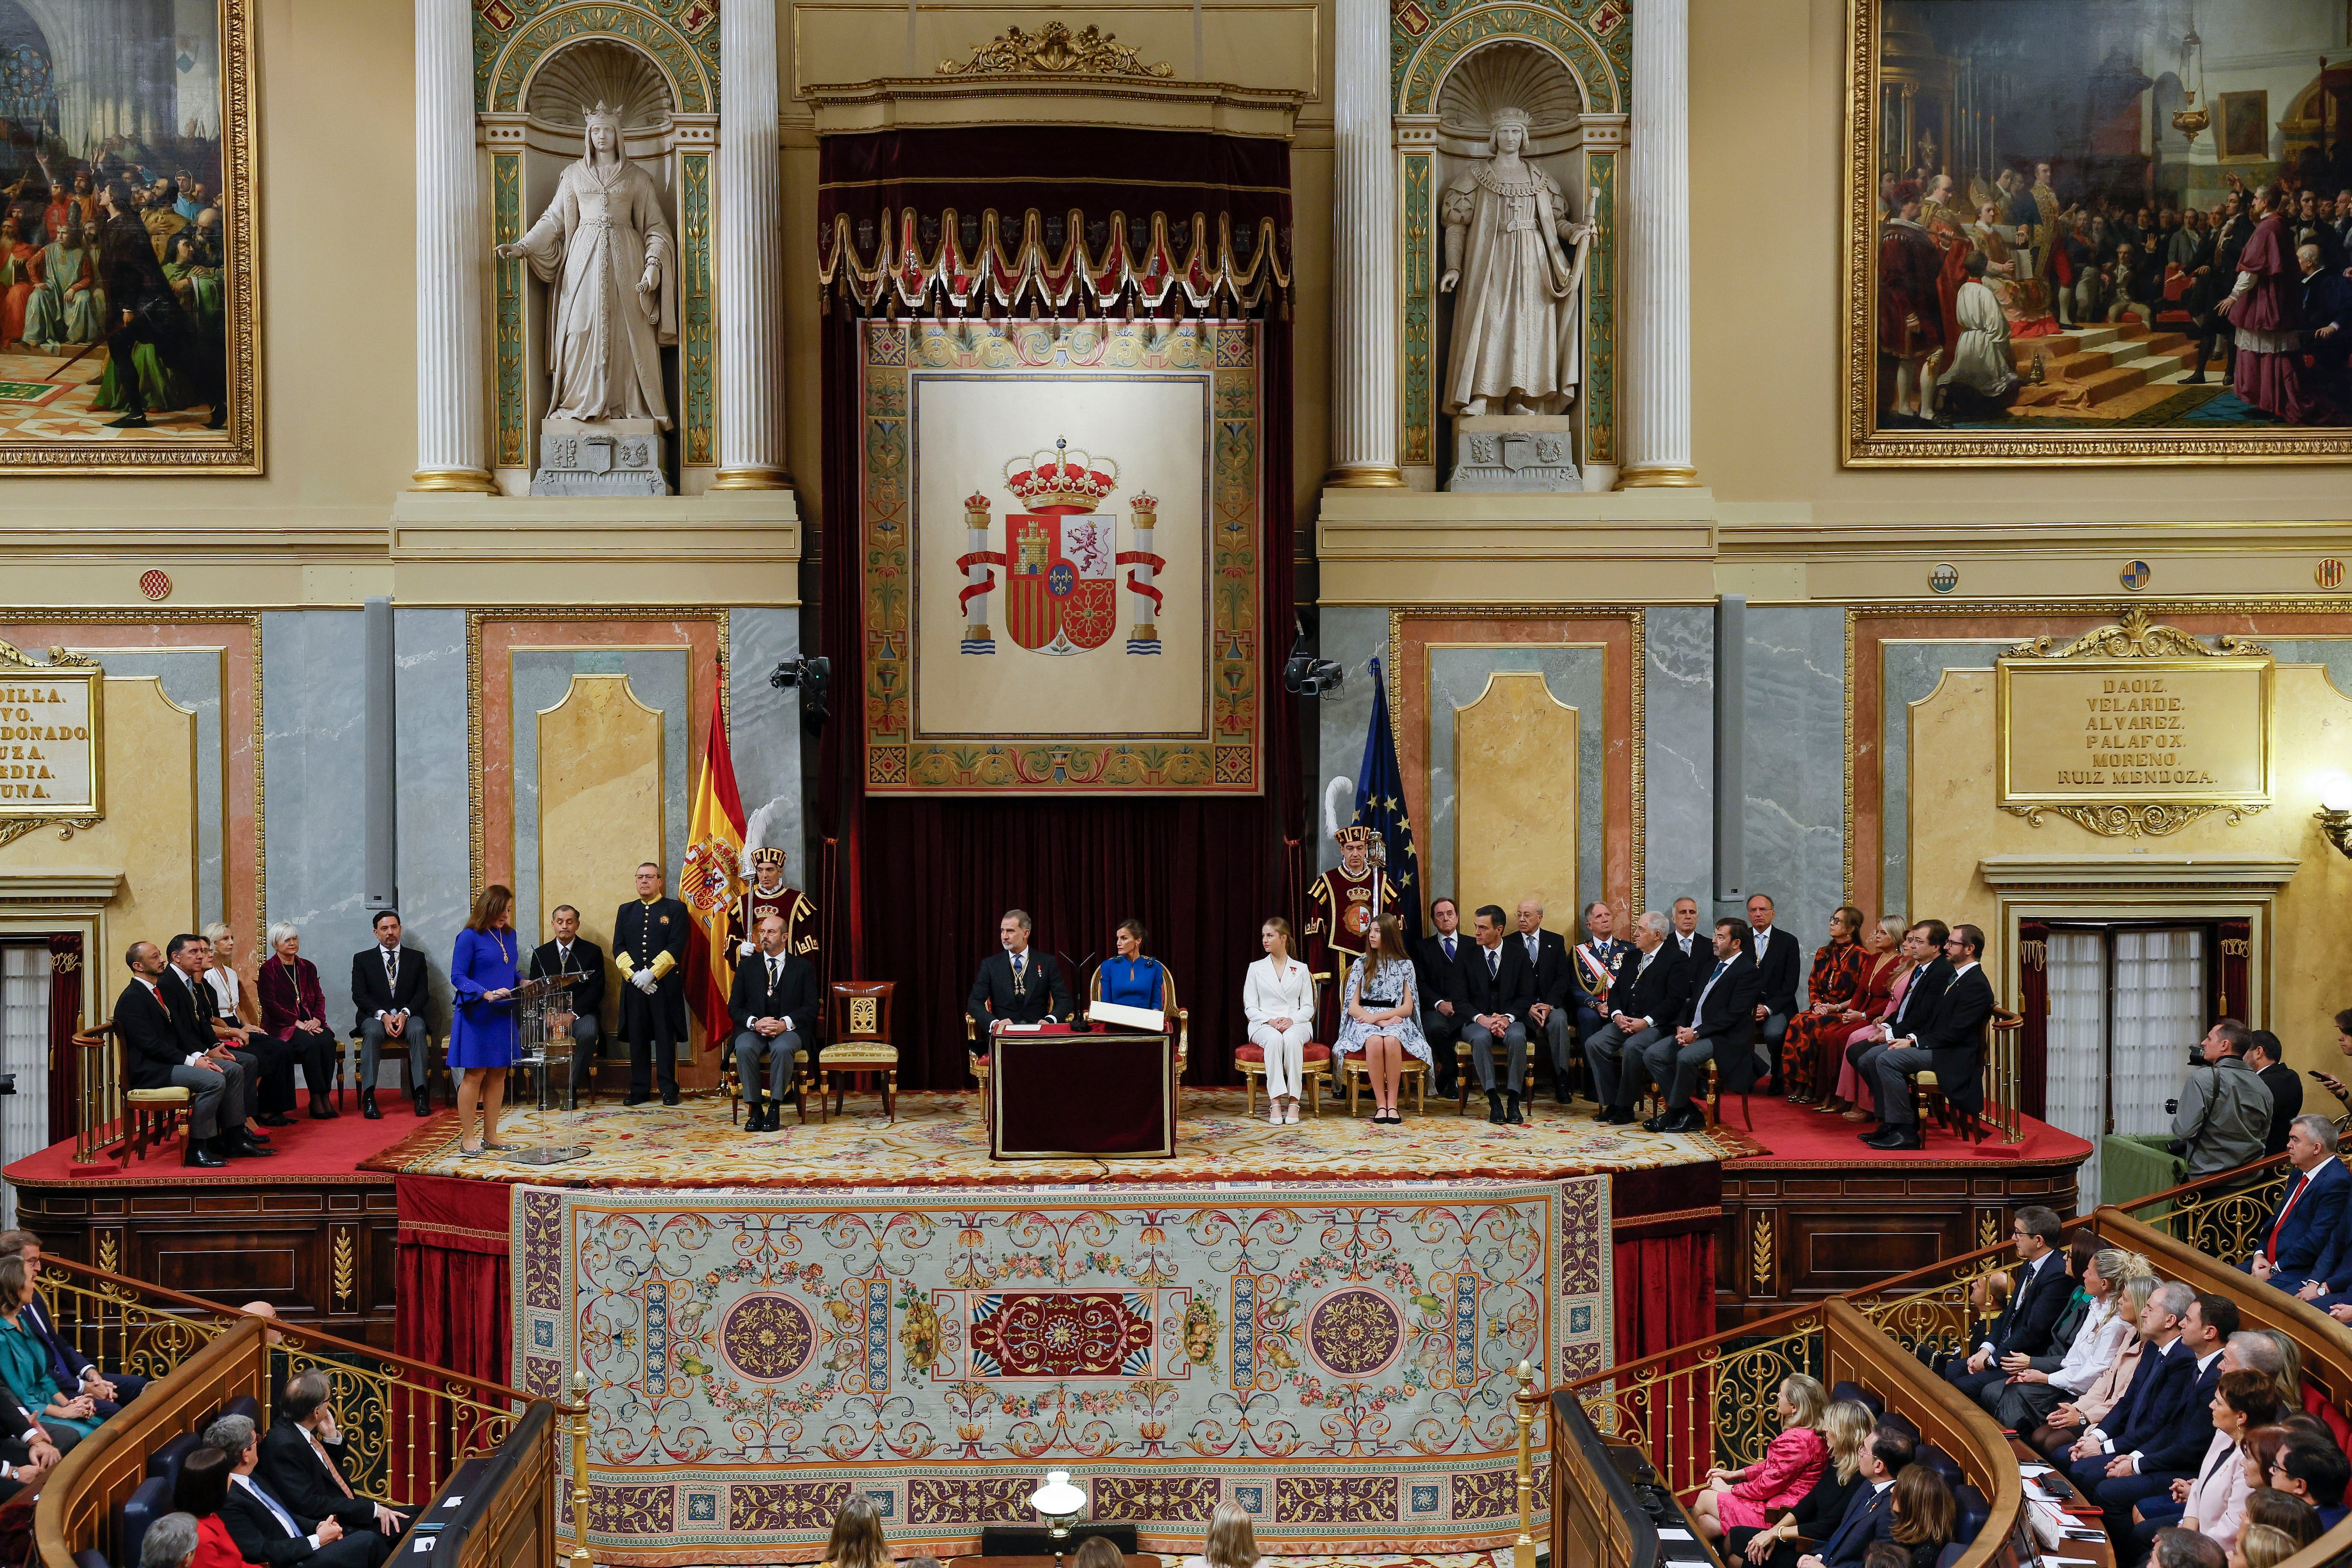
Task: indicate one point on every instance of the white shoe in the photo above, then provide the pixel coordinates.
(1274, 1117)
(1290, 1114)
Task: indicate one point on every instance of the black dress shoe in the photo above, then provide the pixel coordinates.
(260, 1138)
(275, 1118)
(197, 1154)
(1692, 1120)
(237, 1146)
(367, 1105)
(1905, 1136)
(1563, 1094)
(423, 1102)
(669, 1096)
(1889, 1137)
(1495, 1107)
(1518, 1116)
(1663, 1122)
(320, 1110)
(634, 1098)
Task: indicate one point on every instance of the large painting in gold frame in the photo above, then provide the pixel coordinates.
(163, 116)
(2071, 118)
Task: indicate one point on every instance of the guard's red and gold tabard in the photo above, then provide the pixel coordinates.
(755, 904)
(1342, 916)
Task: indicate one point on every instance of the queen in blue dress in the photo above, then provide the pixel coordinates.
(482, 1037)
(1131, 979)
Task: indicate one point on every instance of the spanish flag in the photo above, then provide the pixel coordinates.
(712, 877)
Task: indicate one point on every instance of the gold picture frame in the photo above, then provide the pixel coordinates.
(236, 449)
(1888, 93)
(2242, 129)
(53, 760)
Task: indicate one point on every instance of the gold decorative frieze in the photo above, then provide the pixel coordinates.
(1056, 51)
(52, 748)
(2137, 636)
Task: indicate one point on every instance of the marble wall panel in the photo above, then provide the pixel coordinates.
(1678, 752)
(763, 730)
(189, 678)
(1909, 672)
(1573, 676)
(314, 744)
(1353, 636)
(599, 797)
(436, 881)
(1794, 732)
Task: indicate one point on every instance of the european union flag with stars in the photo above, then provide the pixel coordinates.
(1379, 806)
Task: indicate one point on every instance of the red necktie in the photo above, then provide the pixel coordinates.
(2270, 1249)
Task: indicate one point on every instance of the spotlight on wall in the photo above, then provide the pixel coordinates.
(1304, 675)
(2335, 813)
(814, 679)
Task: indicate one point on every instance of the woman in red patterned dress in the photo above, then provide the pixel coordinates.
(1878, 988)
(1827, 992)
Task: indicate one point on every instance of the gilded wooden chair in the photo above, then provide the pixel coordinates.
(1359, 1074)
(730, 1078)
(1183, 1017)
(1249, 1058)
(1465, 1074)
(149, 1115)
(861, 1046)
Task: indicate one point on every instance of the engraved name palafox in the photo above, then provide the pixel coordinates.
(48, 759)
(2083, 730)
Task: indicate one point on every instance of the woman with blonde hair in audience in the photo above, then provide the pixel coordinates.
(2045, 1382)
(2284, 1512)
(2064, 1424)
(1925, 1514)
(2263, 1546)
(1094, 1551)
(1878, 990)
(858, 1541)
(1747, 1497)
(2298, 1392)
(1232, 1544)
(2213, 1501)
(1845, 1428)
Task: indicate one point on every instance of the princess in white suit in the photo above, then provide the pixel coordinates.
(1279, 999)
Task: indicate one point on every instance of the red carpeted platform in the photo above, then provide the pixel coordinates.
(1800, 1136)
(308, 1152)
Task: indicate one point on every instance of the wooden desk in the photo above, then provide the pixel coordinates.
(1054, 1095)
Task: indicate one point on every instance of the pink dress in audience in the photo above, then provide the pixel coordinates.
(1776, 1483)
(1850, 1087)
(2217, 1498)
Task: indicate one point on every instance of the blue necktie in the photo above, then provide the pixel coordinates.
(1449, 950)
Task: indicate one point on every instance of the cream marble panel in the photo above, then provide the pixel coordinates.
(1515, 811)
(600, 796)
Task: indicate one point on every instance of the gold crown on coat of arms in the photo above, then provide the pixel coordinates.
(1061, 477)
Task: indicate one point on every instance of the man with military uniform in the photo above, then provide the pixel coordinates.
(767, 895)
(649, 937)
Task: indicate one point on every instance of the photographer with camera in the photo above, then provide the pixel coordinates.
(2223, 1115)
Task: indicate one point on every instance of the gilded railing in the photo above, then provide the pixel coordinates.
(100, 1124)
(2221, 1217)
(405, 1423)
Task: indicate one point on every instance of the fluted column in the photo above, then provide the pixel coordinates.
(1656, 380)
(751, 257)
(453, 256)
(1364, 370)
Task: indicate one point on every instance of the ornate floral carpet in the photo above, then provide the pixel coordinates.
(938, 1139)
(1336, 1359)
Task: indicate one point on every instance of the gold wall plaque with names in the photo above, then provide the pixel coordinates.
(51, 735)
(2134, 729)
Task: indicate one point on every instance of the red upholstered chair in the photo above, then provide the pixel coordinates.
(1250, 1058)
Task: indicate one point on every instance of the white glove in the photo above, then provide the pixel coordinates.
(745, 950)
(643, 980)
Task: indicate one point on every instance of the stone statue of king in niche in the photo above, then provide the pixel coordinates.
(1517, 333)
(607, 249)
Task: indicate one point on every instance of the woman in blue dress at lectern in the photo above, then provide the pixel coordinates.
(482, 1035)
(1130, 979)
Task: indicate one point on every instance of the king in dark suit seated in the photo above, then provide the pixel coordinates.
(1017, 986)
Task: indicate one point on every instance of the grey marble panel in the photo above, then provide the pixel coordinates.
(1909, 671)
(435, 867)
(192, 677)
(1678, 755)
(314, 685)
(660, 678)
(1575, 676)
(764, 729)
(1793, 734)
(1352, 636)
(2334, 653)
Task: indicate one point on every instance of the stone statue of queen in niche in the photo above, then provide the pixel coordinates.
(1518, 253)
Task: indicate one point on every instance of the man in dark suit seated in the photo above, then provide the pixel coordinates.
(1778, 966)
(1649, 989)
(1553, 1018)
(2039, 1288)
(266, 1528)
(1442, 986)
(27, 1454)
(580, 964)
(1952, 1042)
(2165, 1441)
(1501, 984)
(156, 1056)
(1928, 972)
(302, 1462)
(388, 1003)
(2303, 1247)
(2317, 1472)
(1016, 985)
(774, 1004)
(75, 1372)
(196, 1013)
(1719, 1022)
(1871, 1515)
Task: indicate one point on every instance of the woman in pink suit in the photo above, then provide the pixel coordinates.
(1756, 1494)
(1878, 991)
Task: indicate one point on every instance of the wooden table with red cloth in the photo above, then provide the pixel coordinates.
(1053, 1092)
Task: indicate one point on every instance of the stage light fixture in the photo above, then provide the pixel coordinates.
(813, 679)
(1304, 675)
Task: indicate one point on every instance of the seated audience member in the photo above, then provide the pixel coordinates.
(2035, 1386)
(2261, 1546)
(1845, 1428)
(2303, 1246)
(1094, 1551)
(2157, 1387)
(2166, 1441)
(1445, 994)
(75, 1372)
(1870, 1516)
(236, 1017)
(269, 1533)
(2315, 1471)
(857, 1541)
(2268, 1059)
(1278, 1005)
(1648, 990)
(2266, 1506)
(774, 1005)
(2039, 1290)
(26, 1456)
(2186, 1549)
(2213, 1501)
(1552, 1017)
(2059, 1431)
(1793, 1462)
(25, 1367)
(388, 1007)
(199, 1492)
(1830, 987)
(2297, 1391)
(1778, 963)
(1886, 1554)
(1718, 1023)
(1501, 984)
(302, 1460)
(1919, 982)
(2225, 1110)
(1950, 1041)
(1925, 1514)
(1879, 982)
(294, 1010)
(1231, 1544)
(170, 1542)
(581, 965)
